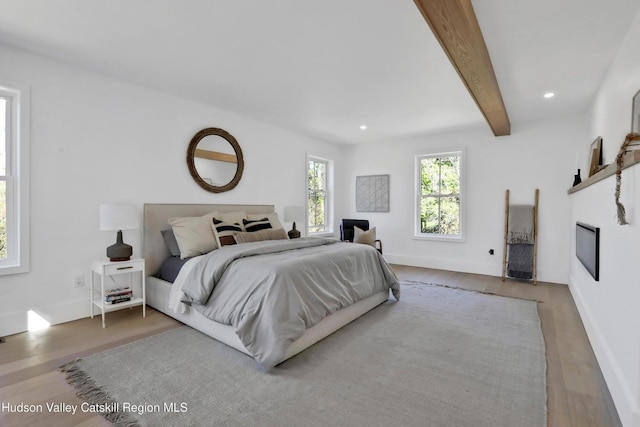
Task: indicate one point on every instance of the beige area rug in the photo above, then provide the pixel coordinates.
(439, 357)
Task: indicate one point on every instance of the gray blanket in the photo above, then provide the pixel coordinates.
(521, 224)
(272, 291)
(520, 265)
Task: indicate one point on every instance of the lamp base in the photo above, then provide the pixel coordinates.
(119, 251)
(119, 259)
(293, 233)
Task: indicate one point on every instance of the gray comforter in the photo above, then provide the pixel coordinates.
(271, 291)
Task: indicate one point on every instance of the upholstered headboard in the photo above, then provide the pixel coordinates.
(156, 216)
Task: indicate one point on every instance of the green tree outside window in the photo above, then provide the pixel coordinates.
(317, 193)
(440, 195)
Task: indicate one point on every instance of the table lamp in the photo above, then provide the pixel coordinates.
(119, 217)
(291, 214)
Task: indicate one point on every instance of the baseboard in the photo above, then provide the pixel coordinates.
(12, 323)
(613, 375)
(443, 264)
(488, 269)
(16, 323)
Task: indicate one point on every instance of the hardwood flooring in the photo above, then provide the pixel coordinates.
(577, 393)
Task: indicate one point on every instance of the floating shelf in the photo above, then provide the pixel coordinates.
(631, 158)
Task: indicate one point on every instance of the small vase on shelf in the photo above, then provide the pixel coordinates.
(576, 178)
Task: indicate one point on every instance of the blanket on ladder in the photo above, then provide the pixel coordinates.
(520, 265)
(520, 238)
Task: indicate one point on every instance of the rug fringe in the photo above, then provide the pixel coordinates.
(89, 391)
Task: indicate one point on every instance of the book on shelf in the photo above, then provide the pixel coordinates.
(119, 297)
(118, 291)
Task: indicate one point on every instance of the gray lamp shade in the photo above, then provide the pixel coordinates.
(119, 217)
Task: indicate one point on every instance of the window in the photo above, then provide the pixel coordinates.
(319, 195)
(3, 178)
(13, 179)
(439, 201)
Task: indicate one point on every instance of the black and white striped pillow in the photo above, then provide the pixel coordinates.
(224, 231)
(256, 225)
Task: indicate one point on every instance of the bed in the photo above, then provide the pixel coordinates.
(159, 292)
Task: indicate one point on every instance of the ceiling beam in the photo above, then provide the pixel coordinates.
(456, 27)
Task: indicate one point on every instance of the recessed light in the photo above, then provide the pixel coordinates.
(363, 127)
(549, 95)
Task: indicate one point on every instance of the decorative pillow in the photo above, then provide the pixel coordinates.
(366, 237)
(272, 217)
(224, 231)
(170, 241)
(232, 217)
(193, 234)
(256, 225)
(257, 236)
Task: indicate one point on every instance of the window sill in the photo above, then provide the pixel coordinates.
(323, 234)
(439, 238)
(8, 269)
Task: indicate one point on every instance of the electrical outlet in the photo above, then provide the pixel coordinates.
(78, 281)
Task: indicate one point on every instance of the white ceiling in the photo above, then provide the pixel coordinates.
(323, 68)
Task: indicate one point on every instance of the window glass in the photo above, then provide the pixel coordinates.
(439, 195)
(3, 137)
(3, 179)
(317, 191)
(14, 182)
(319, 195)
(3, 220)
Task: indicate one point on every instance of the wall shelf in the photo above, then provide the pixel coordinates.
(631, 158)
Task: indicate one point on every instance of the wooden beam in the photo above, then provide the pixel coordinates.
(215, 155)
(456, 27)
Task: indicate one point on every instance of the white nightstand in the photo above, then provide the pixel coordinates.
(104, 268)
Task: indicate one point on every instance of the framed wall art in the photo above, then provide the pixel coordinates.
(595, 156)
(372, 193)
(635, 113)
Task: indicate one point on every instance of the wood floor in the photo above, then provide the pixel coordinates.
(577, 393)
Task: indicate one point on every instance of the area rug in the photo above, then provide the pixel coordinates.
(439, 357)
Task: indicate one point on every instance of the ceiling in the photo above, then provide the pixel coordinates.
(324, 68)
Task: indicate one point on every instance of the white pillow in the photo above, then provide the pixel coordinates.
(194, 234)
(272, 217)
(366, 237)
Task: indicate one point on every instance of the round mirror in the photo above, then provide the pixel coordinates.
(215, 160)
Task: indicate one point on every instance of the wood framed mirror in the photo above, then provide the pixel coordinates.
(215, 160)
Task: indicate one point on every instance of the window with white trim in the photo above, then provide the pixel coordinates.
(319, 195)
(13, 180)
(3, 178)
(439, 196)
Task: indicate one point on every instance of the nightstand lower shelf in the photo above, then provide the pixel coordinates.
(108, 307)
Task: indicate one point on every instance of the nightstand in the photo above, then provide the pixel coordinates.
(105, 269)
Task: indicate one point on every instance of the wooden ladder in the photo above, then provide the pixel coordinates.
(535, 236)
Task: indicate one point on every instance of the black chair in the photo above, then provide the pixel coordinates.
(347, 232)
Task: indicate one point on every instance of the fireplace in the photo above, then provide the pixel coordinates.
(588, 248)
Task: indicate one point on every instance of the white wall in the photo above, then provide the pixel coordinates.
(609, 308)
(96, 140)
(537, 155)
